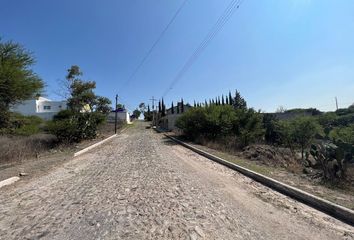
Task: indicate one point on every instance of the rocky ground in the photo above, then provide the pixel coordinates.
(142, 186)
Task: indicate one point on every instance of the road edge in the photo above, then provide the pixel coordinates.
(8, 181)
(339, 212)
(93, 146)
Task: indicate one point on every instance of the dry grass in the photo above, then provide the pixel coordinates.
(18, 148)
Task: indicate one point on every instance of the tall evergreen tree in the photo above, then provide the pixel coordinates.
(230, 99)
(182, 106)
(159, 106)
(195, 105)
(205, 103)
(213, 102)
(163, 108)
(178, 107)
(172, 108)
(239, 102)
(210, 102)
(222, 100)
(227, 100)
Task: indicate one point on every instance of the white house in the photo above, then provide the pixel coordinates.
(41, 107)
(122, 115)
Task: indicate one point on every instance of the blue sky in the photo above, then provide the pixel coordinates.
(291, 53)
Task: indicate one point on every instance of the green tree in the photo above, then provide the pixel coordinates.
(230, 99)
(172, 108)
(103, 105)
(305, 130)
(148, 114)
(248, 126)
(120, 106)
(182, 106)
(85, 111)
(345, 134)
(163, 108)
(18, 82)
(299, 132)
(239, 102)
(136, 113)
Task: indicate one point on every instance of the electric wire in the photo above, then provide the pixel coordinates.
(217, 27)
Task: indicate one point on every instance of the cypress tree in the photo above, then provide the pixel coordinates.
(172, 108)
(178, 105)
(230, 99)
(195, 105)
(182, 106)
(222, 100)
(210, 103)
(159, 106)
(205, 103)
(227, 100)
(163, 108)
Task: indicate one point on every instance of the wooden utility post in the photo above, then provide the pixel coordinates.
(153, 110)
(115, 115)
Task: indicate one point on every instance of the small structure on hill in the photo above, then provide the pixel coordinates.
(122, 116)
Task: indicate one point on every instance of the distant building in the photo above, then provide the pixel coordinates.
(41, 107)
(168, 122)
(122, 115)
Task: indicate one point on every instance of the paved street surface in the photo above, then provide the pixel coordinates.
(142, 186)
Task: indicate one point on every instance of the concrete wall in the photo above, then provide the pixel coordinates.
(122, 116)
(27, 108)
(168, 122)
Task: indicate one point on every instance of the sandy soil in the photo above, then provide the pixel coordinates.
(142, 186)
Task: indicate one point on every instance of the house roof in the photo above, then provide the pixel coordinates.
(43, 99)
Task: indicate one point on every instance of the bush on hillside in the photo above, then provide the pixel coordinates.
(70, 127)
(220, 121)
(23, 125)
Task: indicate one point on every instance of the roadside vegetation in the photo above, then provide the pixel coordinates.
(23, 137)
(299, 140)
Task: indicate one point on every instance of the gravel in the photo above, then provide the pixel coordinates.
(140, 185)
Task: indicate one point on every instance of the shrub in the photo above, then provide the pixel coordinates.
(345, 134)
(70, 127)
(219, 121)
(299, 132)
(193, 122)
(222, 121)
(23, 125)
(248, 127)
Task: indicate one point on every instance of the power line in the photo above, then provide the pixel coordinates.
(143, 60)
(219, 24)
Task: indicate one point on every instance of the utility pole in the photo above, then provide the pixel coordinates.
(115, 116)
(336, 103)
(153, 110)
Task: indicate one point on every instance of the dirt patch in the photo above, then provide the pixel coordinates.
(269, 155)
(43, 159)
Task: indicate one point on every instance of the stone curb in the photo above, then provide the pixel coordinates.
(9, 181)
(341, 213)
(93, 146)
(97, 144)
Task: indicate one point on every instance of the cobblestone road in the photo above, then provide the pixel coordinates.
(142, 186)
